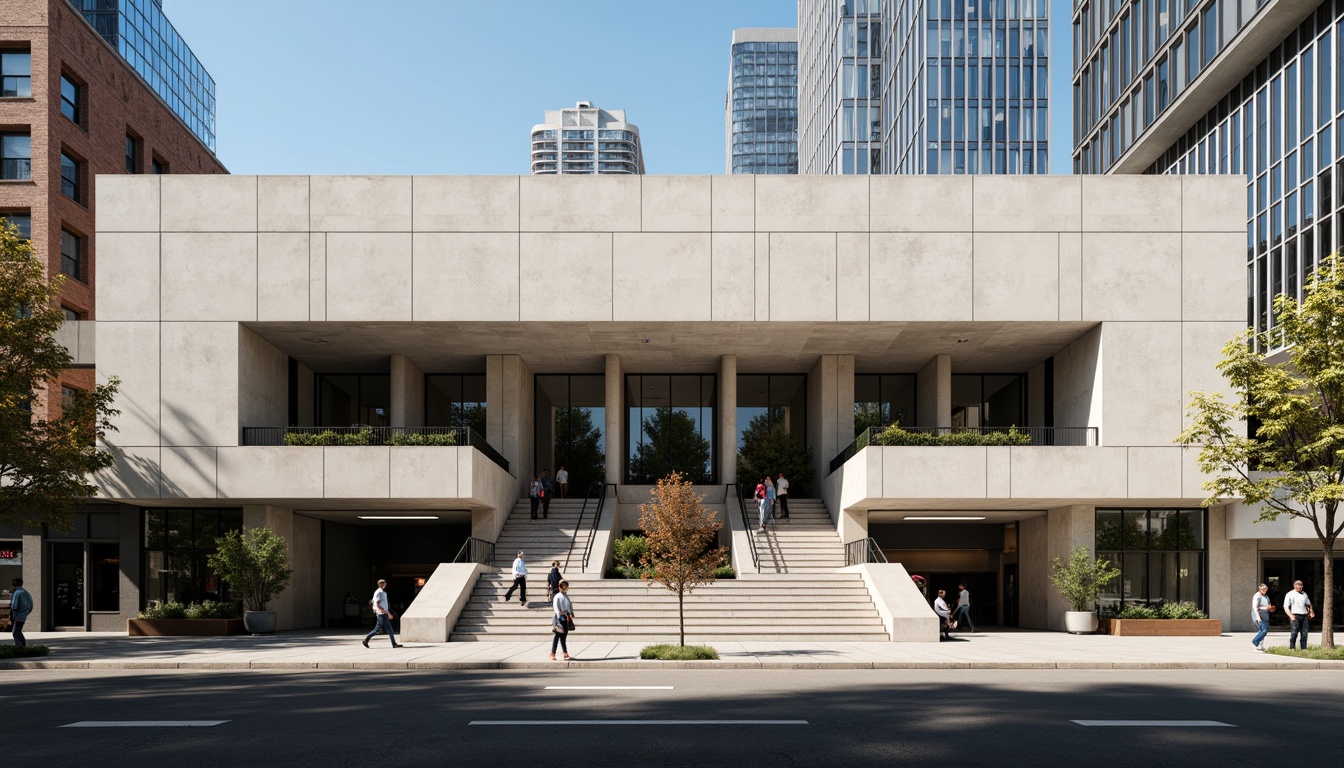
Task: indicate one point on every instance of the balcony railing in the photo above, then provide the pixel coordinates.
(1006, 436)
(374, 436)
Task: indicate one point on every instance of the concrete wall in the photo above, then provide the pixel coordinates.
(933, 390)
(298, 606)
(1042, 540)
(830, 409)
(408, 393)
(263, 382)
(509, 395)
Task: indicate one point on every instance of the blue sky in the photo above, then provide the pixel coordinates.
(448, 86)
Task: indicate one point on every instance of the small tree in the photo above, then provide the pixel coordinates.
(681, 533)
(255, 563)
(1081, 579)
(1292, 462)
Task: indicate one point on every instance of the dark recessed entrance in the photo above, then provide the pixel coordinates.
(356, 554)
(983, 556)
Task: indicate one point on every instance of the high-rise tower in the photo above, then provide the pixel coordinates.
(761, 111)
(586, 139)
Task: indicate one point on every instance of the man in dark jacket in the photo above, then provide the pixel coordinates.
(553, 581)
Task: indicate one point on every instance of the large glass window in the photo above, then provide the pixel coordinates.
(455, 400)
(16, 70)
(994, 400)
(16, 153)
(1160, 553)
(571, 418)
(177, 543)
(883, 399)
(671, 425)
(347, 400)
(70, 99)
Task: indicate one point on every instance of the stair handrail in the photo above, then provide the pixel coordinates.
(864, 551)
(597, 519)
(746, 522)
(476, 550)
(583, 510)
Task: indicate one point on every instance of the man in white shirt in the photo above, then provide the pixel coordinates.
(1260, 609)
(1298, 607)
(382, 613)
(782, 495)
(944, 614)
(519, 581)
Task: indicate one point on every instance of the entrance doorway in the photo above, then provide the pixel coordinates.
(1281, 572)
(981, 555)
(356, 553)
(67, 586)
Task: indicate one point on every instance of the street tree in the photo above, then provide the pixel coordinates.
(45, 463)
(1291, 461)
(681, 533)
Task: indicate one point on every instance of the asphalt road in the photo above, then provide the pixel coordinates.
(861, 717)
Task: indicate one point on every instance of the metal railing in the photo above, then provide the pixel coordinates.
(863, 551)
(597, 519)
(593, 489)
(746, 520)
(476, 550)
(936, 436)
(376, 436)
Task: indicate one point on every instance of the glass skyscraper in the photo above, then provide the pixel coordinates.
(839, 86)
(143, 36)
(761, 110)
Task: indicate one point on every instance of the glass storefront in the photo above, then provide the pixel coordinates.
(996, 400)
(455, 400)
(1282, 569)
(347, 400)
(1161, 554)
(177, 543)
(771, 401)
(670, 421)
(83, 569)
(571, 419)
(884, 399)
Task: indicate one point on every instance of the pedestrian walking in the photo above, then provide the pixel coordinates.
(547, 491)
(519, 581)
(553, 582)
(782, 494)
(964, 608)
(20, 605)
(761, 507)
(534, 495)
(944, 615)
(769, 498)
(383, 614)
(562, 480)
(1260, 610)
(562, 620)
(1298, 607)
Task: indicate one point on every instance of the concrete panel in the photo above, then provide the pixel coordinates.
(921, 472)
(263, 382)
(1027, 203)
(430, 618)
(802, 276)
(360, 203)
(130, 352)
(126, 203)
(761, 276)
(812, 203)
(1143, 401)
(1213, 277)
(733, 275)
(920, 276)
(1131, 203)
(317, 276)
(134, 474)
(1201, 350)
(1213, 203)
(209, 276)
(733, 203)
(905, 613)
(425, 472)
(277, 472)
(128, 276)
(646, 285)
(465, 276)
(1016, 276)
(466, 203)
(356, 472)
(1192, 478)
(1041, 472)
(851, 275)
(676, 203)
(282, 203)
(283, 276)
(218, 203)
(1079, 382)
(190, 473)
(921, 203)
(998, 472)
(408, 392)
(1131, 276)
(566, 276)
(1070, 276)
(1033, 572)
(579, 203)
(1155, 472)
(368, 276)
(200, 387)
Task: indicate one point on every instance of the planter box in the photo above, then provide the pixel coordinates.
(1163, 627)
(183, 627)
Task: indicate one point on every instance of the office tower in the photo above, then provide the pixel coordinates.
(586, 139)
(943, 87)
(761, 111)
(1223, 87)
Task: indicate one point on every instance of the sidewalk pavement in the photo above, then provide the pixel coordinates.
(328, 650)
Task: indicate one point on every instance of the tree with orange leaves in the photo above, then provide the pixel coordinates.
(681, 534)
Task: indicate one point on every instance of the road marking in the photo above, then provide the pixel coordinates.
(1156, 723)
(638, 722)
(609, 688)
(144, 723)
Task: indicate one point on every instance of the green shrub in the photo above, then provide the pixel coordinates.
(1182, 610)
(894, 435)
(330, 437)
(629, 572)
(23, 651)
(1311, 652)
(630, 550)
(1138, 611)
(171, 610)
(417, 438)
(669, 652)
(209, 609)
(725, 571)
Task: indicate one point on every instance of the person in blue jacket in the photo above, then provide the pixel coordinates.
(20, 605)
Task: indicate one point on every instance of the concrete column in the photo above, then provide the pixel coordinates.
(408, 393)
(299, 606)
(34, 582)
(728, 419)
(1043, 539)
(933, 391)
(132, 535)
(1036, 396)
(830, 410)
(1219, 576)
(615, 411)
(508, 413)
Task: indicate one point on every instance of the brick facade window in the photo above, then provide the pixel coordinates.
(157, 166)
(132, 154)
(70, 99)
(16, 74)
(16, 156)
(72, 254)
(70, 178)
(23, 220)
(70, 314)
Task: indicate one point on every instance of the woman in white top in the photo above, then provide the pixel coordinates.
(563, 609)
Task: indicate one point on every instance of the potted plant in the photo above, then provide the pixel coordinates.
(1080, 581)
(255, 563)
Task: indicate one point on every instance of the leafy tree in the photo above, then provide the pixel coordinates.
(1291, 462)
(578, 446)
(45, 464)
(255, 563)
(768, 449)
(1081, 579)
(674, 445)
(680, 533)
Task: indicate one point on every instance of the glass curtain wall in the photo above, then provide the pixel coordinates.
(994, 400)
(177, 543)
(346, 400)
(884, 399)
(1160, 554)
(455, 400)
(671, 425)
(571, 418)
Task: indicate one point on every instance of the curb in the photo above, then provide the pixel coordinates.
(413, 666)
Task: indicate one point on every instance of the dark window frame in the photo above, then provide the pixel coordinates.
(1151, 547)
(76, 261)
(22, 84)
(26, 227)
(70, 107)
(16, 168)
(72, 177)
(134, 152)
